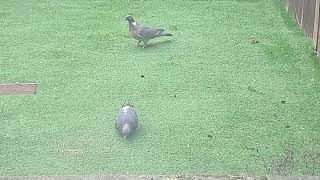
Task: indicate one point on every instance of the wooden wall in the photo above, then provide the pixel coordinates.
(306, 13)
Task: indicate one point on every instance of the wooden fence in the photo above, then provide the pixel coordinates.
(306, 13)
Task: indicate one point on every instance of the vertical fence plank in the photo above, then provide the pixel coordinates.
(294, 9)
(298, 10)
(291, 8)
(301, 7)
(294, 5)
(316, 25)
(308, 14)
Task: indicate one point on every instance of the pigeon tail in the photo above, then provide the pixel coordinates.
(126, 130)
(161, 33)
(165, 34)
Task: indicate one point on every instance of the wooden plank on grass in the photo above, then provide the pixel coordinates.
(18, 88)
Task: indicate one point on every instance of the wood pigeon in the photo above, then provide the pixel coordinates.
(144, 33)
(127, 120)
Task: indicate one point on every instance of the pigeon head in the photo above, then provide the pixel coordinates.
(126, 130)
(126, 103)
(129, 18)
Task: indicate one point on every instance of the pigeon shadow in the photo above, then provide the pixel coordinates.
(158, 44)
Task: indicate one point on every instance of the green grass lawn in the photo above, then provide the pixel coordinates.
(210, 102)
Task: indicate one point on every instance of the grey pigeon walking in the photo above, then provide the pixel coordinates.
(144, 33)
(127, 120)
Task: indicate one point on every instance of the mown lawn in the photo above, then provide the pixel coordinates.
(235, 90)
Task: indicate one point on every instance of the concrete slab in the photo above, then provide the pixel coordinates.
(122, 177)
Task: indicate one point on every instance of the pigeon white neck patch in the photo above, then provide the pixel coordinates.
(125, 109)
(134, 23)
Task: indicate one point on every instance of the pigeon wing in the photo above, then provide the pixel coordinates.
(133, 120)
(147, 32)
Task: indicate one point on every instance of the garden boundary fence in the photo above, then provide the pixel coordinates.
(306, 13)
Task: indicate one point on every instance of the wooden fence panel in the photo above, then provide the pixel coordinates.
(290, 7)
(307, 15)
(307, 20)
(298, 10)
(316, 27)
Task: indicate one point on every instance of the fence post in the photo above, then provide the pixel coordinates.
(302, 12)
(315, 37)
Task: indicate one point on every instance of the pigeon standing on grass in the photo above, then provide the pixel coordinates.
(127, 120)
(144, 33)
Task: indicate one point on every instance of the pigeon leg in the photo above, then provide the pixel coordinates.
(138, 44)
(145, 44)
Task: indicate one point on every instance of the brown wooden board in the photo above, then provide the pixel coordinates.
(308, 16)
(294, 8)
(318, 46)
(316, 25)
(18, 88)
(299, 11)
(291, 8)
